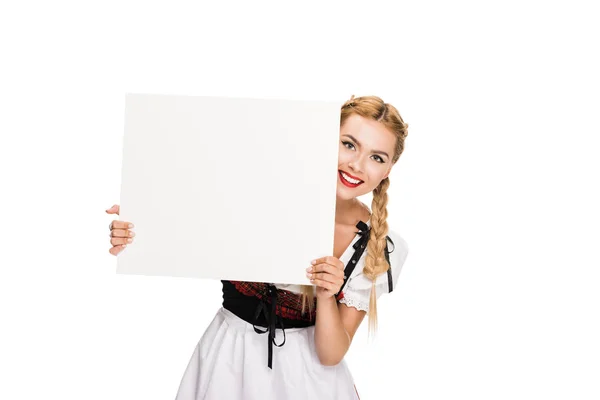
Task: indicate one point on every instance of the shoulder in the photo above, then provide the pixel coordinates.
(358, 289)
(359, 284)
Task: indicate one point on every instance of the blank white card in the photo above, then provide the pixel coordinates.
(228, 188)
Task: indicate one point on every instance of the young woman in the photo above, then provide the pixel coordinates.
(280, 341)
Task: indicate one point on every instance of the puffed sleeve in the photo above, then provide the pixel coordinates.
(357, 291)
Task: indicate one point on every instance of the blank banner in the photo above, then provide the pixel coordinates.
(228, 188)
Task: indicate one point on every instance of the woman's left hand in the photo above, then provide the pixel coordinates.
(327, 273)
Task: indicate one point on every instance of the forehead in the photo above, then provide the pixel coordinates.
(369, 133)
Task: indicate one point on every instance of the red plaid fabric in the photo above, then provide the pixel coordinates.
(289, 304)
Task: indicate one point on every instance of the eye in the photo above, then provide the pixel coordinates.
(382, 161)
(345, 143)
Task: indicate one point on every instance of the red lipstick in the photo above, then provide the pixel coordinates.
(347, 183)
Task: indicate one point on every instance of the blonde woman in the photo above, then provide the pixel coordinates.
(279, 341)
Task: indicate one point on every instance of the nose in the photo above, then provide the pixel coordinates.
(355, 165)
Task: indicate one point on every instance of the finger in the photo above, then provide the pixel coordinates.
(328, 269)
(325, 276)
(116, 250)
(336, 262)
(120, 241)
(116, 224)
(324, 284)
(114, 209)
(121, 233)
(337, 282)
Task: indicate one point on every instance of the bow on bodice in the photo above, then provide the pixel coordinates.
(364, 231)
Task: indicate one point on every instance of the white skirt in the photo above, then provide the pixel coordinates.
(230, 363)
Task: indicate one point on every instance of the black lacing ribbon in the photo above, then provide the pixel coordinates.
(359, 248)
(271, 318)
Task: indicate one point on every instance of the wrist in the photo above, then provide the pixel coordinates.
(329, 298)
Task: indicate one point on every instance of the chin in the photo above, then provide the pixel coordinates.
(347, 195)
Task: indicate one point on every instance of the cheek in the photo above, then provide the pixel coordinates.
(375, 172)
(343, 157)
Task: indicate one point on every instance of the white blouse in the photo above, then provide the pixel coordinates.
(358, 288)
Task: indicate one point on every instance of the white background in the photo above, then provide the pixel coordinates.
(496, 193)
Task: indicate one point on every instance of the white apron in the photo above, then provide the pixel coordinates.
(230, 363)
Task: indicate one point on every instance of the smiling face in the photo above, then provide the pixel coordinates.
(366, 151)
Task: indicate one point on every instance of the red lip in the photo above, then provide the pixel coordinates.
(352, 176)
(346, 183)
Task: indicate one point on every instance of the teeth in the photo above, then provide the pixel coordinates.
(354, 181)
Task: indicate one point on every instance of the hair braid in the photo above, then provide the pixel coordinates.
(375, 261)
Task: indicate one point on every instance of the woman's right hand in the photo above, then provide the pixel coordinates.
(120, 233)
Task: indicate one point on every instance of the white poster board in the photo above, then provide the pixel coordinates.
(228, 188)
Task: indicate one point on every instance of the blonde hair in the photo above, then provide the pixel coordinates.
(374, 108)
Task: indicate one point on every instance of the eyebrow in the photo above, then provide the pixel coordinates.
(374, 151)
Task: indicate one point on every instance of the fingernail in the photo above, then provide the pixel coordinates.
(129, 240)
(308, 275)
(309, 269)
(124, 245)
(313, 262)
(130, 225)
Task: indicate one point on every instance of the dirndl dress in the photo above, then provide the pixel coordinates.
(259, 346)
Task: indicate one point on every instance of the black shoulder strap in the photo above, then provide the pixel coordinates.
(389, 271)
(359, 249)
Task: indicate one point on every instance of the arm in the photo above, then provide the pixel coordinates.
(335, 324)
(335, 327)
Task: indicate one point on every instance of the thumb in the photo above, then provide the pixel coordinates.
(114, 209)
